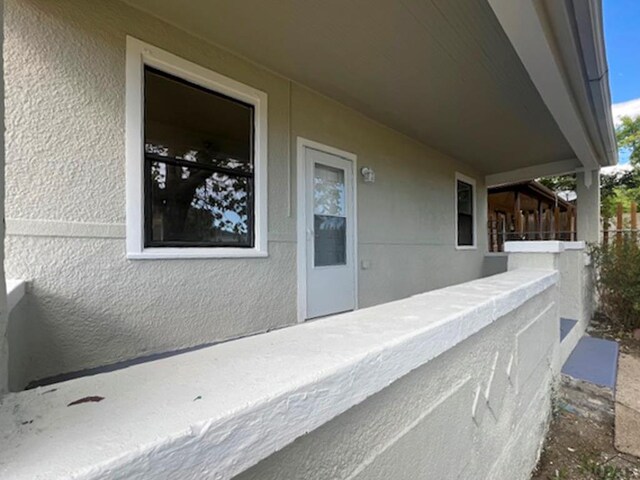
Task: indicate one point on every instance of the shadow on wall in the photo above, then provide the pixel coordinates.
(494, 264)
(35, 341)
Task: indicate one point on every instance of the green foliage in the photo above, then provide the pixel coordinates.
(617, 280)
(562, 183)
(602, 471)
(622, 187)
(560, 474)
(628, 137)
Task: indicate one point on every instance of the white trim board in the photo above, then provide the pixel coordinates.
(536, 171)
(301, 171)
(140, 54)
(27, 227)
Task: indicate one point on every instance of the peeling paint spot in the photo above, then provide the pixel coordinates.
(93, 398)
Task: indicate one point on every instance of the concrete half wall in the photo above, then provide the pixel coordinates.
(449, 384)
(479, 411)
(87, 304)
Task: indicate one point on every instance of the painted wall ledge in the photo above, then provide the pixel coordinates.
(214, 412)
(542, 246)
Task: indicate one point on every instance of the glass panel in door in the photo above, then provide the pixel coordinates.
(329, 216)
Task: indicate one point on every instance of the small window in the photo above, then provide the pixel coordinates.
(196, 160)
(465, 209)
(198, 150)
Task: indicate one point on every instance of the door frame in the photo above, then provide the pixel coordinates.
(301, 220)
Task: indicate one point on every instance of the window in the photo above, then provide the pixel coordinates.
(465, 212)
(329, 216)
(196, 160)
(198, 165)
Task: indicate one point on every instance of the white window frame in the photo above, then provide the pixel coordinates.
(140, 54)
(474, 198)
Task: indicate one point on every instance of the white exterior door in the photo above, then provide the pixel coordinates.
(329, 213)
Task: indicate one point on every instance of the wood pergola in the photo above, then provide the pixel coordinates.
(528, 211)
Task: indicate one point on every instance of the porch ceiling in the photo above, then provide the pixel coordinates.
(440, 71)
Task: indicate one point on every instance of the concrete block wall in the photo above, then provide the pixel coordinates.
(479, 411)
(576, 291)
(453, 383)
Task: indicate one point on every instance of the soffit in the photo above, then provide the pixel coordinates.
(441, 71)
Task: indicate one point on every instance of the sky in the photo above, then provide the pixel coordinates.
(622, 40)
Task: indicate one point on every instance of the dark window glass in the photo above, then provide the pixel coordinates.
(198, 165)
(465, 214)
(331, 240)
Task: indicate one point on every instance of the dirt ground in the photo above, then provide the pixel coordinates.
(579, 448)
(628, 344)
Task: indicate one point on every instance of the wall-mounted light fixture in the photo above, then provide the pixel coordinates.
(368, 174)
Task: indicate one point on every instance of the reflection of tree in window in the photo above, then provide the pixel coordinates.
(328, 191)
(329, 216)
(199, 166)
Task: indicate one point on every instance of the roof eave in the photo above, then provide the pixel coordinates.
(527, 26)
(589, 24)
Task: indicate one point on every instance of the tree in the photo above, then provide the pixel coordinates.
(562, 183)
(628, 137)
(616, 187)
(619, 187)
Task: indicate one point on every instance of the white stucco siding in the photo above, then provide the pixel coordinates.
(4, 351)
(87, 304)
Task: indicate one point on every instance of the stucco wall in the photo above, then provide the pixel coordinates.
(87, 304)
(424, 426)
(576, 290)
(4, 353)
(494, 263)
(588, 206)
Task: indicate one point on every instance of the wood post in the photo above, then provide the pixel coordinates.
(634, 221)
(556, 222)
(547, 221)
(517, 215)
(493, 241)
(619, 223)
(539, 222)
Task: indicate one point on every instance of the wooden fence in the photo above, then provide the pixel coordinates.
(547, 224)
(624, 225)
